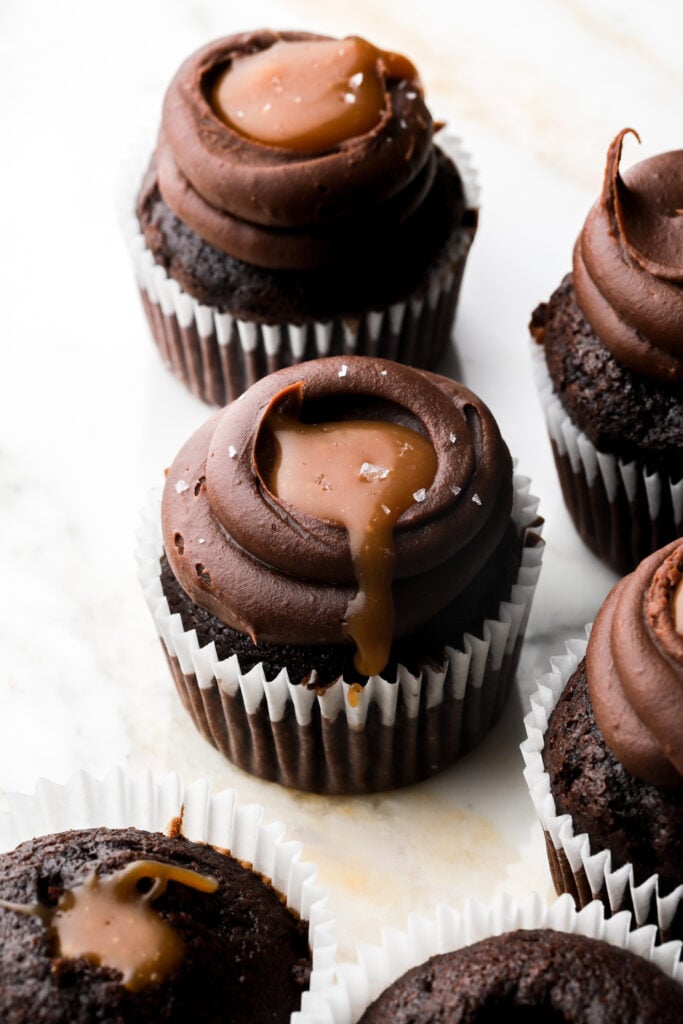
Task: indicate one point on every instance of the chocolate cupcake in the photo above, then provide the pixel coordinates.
(605, 751)
(538, 975)
(611, 364)
(125, 925)
(129, 924)
(296, 206)
(512, 962)
(346, 574)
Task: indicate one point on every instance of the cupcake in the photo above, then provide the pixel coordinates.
(346, 573)
(605, 751)
(537, 973)
(127, 924)
(297, 205)
(512, 962)
(610, 364)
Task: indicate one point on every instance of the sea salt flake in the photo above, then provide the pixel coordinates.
(371, 472)
(456, 490)
(411, 95)
(232, 451)
(202, 540)
(383, 373)
(452, 438)
(385, 509)
(420, 495)
(344, 370)
(476, 499)
(356, 80)
(182, 485)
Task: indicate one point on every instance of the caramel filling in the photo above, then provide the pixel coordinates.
(111, 922)
(310, 95)
(362, 474)
(677, 608)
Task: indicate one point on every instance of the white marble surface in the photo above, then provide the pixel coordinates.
(89, 418)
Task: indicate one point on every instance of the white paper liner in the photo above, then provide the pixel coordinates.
(217, 355)
(620, 479)
(597, 864)
(467, 666)
(141, 801)
(379, 966)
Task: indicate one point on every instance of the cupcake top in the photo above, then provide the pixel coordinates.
(341, 500)
(285, 149)
(628, 264)
(130, 925)
(531, 975)
(634, 664)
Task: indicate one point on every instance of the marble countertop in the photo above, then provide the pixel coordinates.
(90, 418)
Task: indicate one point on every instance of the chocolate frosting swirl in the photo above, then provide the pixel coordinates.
(273, 571)
(278, 208)
(634, 664)
(628, 263)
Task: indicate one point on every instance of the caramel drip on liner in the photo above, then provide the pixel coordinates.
(308, 95)
(362, 474)
(110, 922)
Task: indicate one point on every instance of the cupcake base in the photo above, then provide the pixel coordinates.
(218, 355)
(578, 867)
(622, 511)
(348, 738)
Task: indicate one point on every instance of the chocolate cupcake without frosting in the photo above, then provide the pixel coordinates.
(131, 926)
(610, 786)
(297, 205)
(512, 961)
(534, 975)
(611, 369)
(346, 574)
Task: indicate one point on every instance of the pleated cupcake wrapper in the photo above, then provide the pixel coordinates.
(359, 984)
(622, 511)
(140, 801)
(577, 868)
(218, 356)
(344, 739)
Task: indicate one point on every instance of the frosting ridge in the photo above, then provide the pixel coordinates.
(635, 670)
(277, 207)
(270, 569)
(628, 263)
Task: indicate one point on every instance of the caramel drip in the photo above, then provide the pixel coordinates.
(677, 608)
(308, 95)
(109, 921)
(362, 474)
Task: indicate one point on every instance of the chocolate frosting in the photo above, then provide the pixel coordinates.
(628, 263)
(277, 573)
(279, 208)
(635, 670)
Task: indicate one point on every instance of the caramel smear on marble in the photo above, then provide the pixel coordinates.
(362, 474)
(110, 921)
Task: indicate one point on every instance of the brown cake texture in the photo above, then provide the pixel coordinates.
(639, 823)
(537, 975)
(256, 252)
(612, 361)
(245, 956)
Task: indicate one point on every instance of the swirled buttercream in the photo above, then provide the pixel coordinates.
(279, 207)
(272, 570)
(628, 264)
(634, 664)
